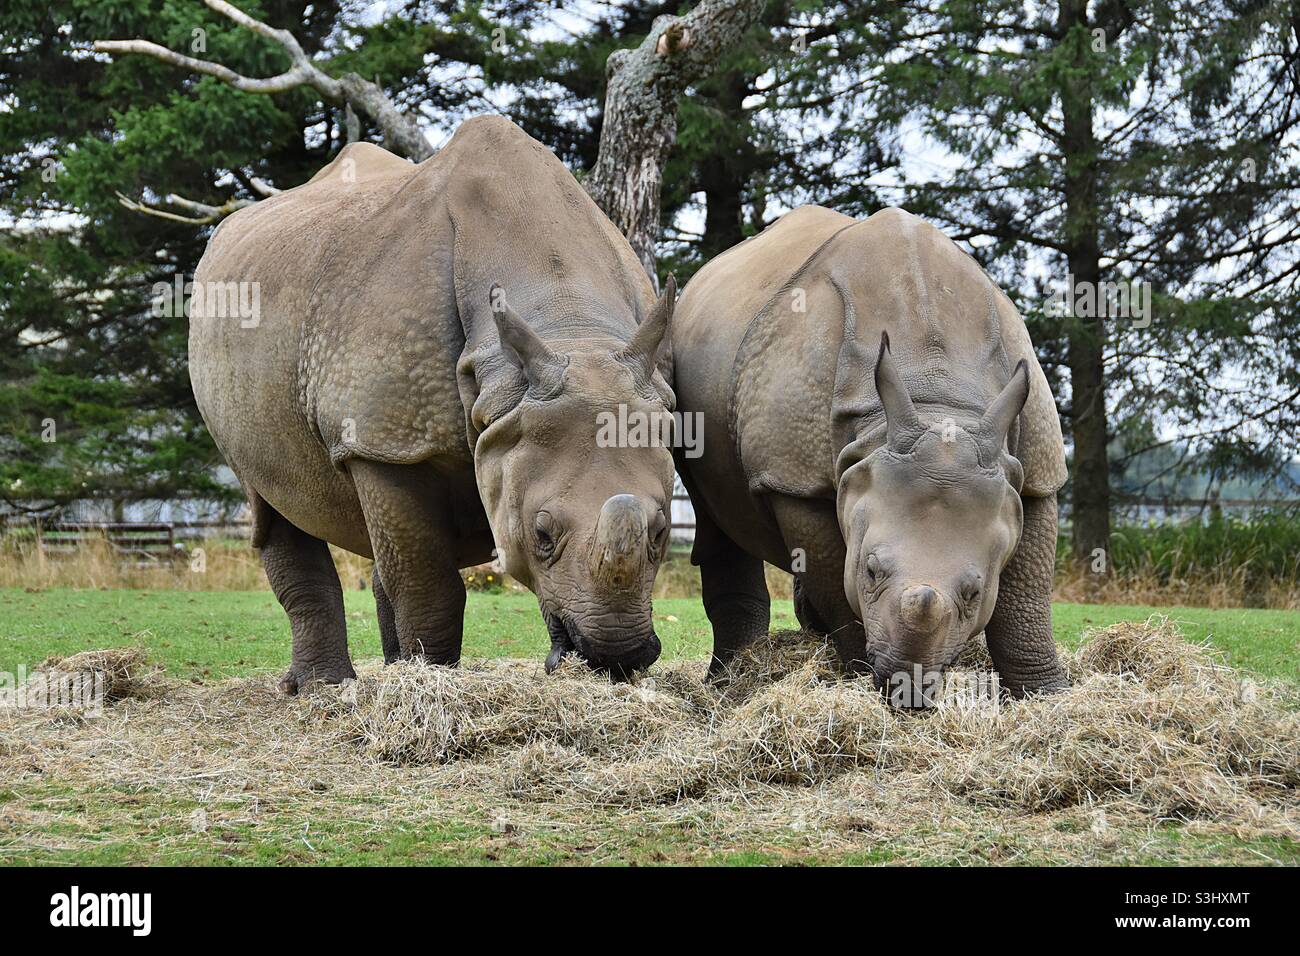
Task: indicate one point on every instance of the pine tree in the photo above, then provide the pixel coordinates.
(1121, 141)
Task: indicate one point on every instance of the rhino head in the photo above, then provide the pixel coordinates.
(582, 522)
(930, 517)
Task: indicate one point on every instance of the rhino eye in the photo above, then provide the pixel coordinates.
(544, 532)
(970, 592)
(875, 574)
(659, 532)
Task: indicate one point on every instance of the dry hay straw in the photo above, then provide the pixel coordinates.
(79, 683)
(1156, 725)
(124, 671)
(1152, 729)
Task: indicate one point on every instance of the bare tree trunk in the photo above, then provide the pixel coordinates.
(725, 172)
(1086, 335)
(641, 112)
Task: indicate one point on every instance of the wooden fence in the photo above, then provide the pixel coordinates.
(155, 543)
(140, 543)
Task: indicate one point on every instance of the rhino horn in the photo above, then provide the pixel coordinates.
(524, 348)
(651, 336)
(901, 421)
(991, 433)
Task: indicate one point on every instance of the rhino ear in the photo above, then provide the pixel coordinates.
(651, 336)
(902, 423)
(991, 433)
(524, 349)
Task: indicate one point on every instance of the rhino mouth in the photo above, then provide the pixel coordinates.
(621, 662)
(886, 670)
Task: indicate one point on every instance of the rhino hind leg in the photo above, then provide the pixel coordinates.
(413, 536)
(1019, 633)
(735, 592)
(304, 580)
(387, 622)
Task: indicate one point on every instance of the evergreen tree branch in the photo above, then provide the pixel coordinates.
(401, 132)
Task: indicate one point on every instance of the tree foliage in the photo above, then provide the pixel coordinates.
(1113, 140)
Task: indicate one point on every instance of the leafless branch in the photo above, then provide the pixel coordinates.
(400, 131)
(205, 214)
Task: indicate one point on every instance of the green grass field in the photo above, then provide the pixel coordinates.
(211, 636)
(220, 634)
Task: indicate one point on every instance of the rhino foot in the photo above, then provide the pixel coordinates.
(299, 676)
(1017, 689)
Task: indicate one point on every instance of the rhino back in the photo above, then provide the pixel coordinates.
(710, 330)
(250, 378)
(374, 280)
(522, 220)
(955, 336)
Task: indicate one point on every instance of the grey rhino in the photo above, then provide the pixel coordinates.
(389, 398)
(910, 486)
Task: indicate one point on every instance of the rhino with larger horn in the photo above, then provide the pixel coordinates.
(423, 384)
(876, 422)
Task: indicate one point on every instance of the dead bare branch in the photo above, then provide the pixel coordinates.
(401, 132)
(639, 129)
(206, 214)
(640, 125)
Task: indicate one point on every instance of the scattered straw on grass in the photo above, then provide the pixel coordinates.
(1151, 720)
(83, 683)
(1153, 729)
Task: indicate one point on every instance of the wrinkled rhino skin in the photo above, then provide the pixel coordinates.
(421, 386)
(875, 420)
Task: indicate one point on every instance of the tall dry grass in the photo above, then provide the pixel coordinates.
(208, 564)
(1224, 587)
(1226, 561)
(225, 564)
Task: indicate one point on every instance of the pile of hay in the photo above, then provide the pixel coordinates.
(125, 672)
(786, 756)
(86, 681)
(1152, 727)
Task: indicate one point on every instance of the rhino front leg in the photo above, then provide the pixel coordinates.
(387, 622)
(415, 547)
(304, 580)
(805, 610)
(1019, 633)
(812, 536)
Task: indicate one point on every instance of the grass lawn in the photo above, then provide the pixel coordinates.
(211, 636)
(220, 634)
